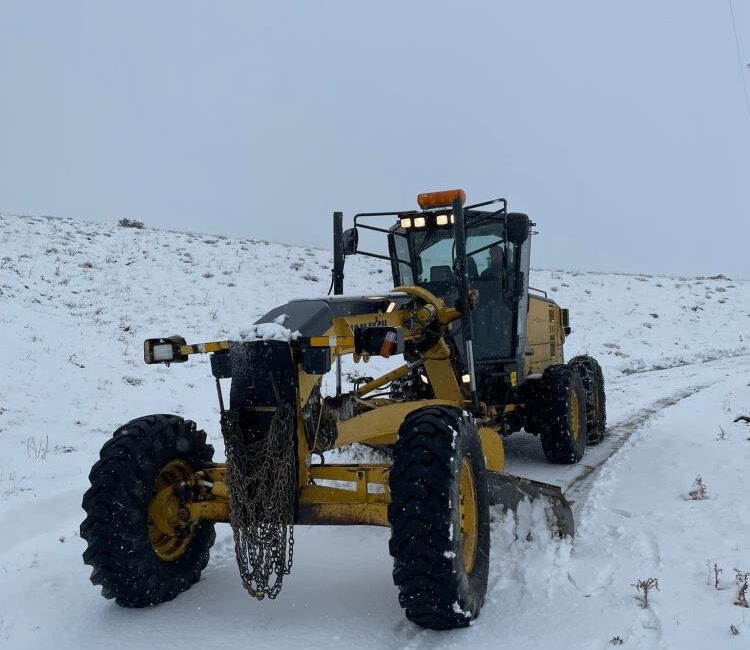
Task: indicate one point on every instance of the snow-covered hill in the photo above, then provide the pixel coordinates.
(76, 301)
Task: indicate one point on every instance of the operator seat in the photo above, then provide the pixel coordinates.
(443, 273)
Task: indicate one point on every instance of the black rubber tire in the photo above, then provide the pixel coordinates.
(428, 566)
(596, 401)
(116, 525)
(561, 444)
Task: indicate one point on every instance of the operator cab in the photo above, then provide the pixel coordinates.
(426, 256)
(476, 254)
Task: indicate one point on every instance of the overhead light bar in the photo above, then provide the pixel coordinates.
(427, 219)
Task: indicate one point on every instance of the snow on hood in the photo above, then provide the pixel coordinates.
(269, 331)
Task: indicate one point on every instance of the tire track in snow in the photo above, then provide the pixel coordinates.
(709, 358)
(578, 491)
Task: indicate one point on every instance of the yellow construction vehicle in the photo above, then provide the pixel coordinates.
(482, 357)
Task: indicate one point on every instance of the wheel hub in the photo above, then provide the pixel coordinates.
(168, 535)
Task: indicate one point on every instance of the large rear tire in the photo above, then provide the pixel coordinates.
(439, 516)
(563, 434)
(134, 562)
(596, 403)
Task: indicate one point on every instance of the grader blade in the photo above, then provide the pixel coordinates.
(509, 491)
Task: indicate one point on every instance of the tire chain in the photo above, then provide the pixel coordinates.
(261, 480)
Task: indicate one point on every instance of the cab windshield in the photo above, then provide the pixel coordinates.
(491, 261)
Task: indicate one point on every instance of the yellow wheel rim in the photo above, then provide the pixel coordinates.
(574, 415)
(469, 515)
(163, 513)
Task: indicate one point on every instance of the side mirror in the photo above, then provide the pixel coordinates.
(518, 227)
(351, 241)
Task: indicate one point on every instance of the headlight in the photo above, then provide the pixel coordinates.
(164, 350)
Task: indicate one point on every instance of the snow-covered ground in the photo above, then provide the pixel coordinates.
(76, 301)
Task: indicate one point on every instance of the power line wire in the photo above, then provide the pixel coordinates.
(739, 57)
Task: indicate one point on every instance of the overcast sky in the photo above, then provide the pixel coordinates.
(620, 127)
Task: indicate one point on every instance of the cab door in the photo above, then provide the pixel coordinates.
(490, 272)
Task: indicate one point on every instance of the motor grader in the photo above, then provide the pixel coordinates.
(482, 357)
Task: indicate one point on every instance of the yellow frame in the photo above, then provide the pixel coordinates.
(326, 503)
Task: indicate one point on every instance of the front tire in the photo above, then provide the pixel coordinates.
(134, 562)
(439, 516)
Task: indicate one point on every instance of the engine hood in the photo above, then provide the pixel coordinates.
(313, 317)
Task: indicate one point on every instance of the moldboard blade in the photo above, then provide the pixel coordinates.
(508, 490)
